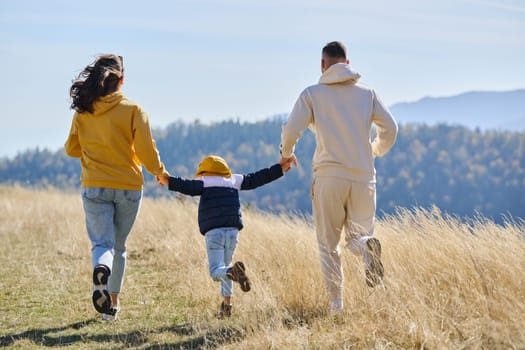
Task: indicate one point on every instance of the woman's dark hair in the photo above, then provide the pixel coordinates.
(100, 78)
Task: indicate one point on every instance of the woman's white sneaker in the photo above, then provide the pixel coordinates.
(101, 298)
(112, 316)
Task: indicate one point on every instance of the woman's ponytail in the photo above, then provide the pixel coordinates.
(99, 79)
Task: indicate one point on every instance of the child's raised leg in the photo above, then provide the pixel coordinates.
(220, 247)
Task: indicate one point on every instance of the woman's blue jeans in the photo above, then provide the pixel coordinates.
(110, 215)
(220, 246)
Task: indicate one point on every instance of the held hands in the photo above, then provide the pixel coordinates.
(162, 180)
(286, 163)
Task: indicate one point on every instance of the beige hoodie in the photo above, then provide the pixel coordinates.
(340, 112)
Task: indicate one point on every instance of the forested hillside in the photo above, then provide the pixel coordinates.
(462, 171)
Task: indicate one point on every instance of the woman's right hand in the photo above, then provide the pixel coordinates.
(162, 180)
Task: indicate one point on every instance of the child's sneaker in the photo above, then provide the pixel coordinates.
(225, 310)
(374, 270)
(237, 273)
(101, 298)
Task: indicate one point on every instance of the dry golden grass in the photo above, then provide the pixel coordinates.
(449, 285)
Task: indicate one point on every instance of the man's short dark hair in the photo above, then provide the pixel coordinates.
(335, 49)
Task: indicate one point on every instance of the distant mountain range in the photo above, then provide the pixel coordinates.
(485, 110)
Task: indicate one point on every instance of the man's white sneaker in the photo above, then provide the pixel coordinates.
(336, 307)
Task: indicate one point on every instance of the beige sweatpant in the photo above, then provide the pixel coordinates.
(341, 204)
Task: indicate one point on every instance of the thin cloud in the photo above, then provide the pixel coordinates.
(500, 5)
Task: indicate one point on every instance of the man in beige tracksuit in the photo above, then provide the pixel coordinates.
(340, 111)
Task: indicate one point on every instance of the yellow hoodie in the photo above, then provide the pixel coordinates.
(112, 144)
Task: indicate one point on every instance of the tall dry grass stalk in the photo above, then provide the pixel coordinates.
(448, 285)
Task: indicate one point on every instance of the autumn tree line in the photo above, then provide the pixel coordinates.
(461, 171)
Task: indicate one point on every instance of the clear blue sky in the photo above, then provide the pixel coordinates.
(214, 60)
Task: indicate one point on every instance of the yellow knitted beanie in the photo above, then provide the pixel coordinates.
(213, 166)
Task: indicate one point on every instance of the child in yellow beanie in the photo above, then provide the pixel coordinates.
(220, 215)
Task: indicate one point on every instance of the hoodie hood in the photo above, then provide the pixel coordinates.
(105, 103)
(339, 73)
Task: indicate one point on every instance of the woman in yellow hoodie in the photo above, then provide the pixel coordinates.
(112, 137)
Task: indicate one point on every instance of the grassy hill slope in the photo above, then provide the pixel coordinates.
(448, 284)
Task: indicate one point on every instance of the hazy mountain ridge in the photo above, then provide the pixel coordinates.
(500, 110)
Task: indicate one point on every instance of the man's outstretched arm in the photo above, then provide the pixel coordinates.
(299, 119)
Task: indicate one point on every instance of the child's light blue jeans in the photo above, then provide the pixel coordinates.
(110, 215)
(220, 246)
